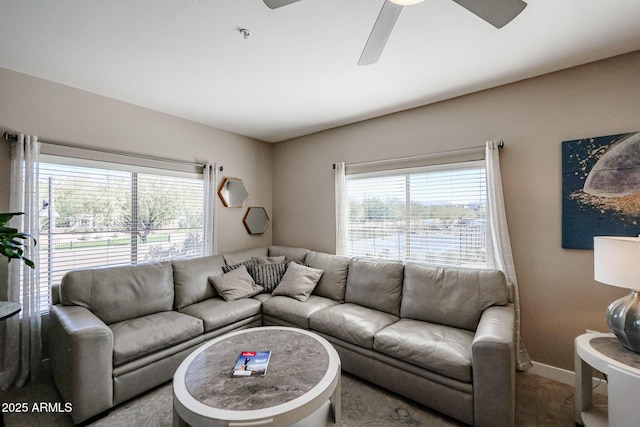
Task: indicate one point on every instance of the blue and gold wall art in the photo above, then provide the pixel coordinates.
(600, 188)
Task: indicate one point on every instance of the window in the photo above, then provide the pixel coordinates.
(433, 214)
(97, 213)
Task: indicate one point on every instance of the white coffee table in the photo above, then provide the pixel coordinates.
(301, 387)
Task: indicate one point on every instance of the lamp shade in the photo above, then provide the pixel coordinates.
(616, 261)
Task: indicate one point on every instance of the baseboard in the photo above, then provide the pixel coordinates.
(566, 377)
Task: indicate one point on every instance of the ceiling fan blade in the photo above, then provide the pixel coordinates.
(496, 12)
(274, 4)
(380, 33)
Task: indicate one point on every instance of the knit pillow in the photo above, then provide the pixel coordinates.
(268, 275)
(248, 263)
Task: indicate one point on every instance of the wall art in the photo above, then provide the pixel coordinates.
(600, 188)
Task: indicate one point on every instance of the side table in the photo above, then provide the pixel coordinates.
(9, 308)
(604, 353)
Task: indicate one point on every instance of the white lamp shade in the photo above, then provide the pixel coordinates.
(617, 261)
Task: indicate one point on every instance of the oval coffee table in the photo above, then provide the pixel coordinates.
(301, 386)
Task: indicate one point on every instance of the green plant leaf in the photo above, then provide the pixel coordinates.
(10, 245)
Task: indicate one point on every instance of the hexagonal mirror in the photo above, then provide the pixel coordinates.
(233, 193)
(256, 220)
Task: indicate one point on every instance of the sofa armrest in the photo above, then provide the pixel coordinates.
(494, 367)
(55, 295)
(81, 360)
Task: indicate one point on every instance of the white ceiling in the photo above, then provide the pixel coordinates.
(297, 73)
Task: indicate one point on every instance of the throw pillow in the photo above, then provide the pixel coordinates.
(298, 282)
(235, 284)
(248, 263)
(262, 260)
(268, 275)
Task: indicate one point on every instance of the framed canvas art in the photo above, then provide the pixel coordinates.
(600, 188)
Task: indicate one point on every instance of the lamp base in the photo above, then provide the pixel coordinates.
(623, 318)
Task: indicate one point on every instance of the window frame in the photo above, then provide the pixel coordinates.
(406, 231)
(65, 156)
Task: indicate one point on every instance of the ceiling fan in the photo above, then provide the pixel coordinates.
(496, 12)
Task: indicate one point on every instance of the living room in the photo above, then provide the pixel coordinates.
(294, 180)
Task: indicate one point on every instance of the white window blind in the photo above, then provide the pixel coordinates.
(97, 214)
(433, 214)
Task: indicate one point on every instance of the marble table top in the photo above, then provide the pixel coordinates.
(8, 309)
(611, 347)
(298, 363)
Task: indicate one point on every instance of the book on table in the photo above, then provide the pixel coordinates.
(252, 363)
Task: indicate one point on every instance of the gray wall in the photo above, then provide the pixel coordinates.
(559, 297)
(59, 113)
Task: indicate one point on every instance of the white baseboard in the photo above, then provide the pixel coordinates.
(566, 377)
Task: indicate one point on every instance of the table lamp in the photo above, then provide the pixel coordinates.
(617, 263)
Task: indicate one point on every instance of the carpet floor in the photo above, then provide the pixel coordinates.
(540, 402)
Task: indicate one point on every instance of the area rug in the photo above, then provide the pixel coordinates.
(363, 404)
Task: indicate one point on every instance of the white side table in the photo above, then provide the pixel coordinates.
(604, 353)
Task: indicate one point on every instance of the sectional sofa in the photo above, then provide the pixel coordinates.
(443, 337)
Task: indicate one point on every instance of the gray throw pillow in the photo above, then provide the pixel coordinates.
(268, 275)
(235, 284)
(248, 263)
(298, 282)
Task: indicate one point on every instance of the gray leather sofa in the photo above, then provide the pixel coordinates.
(443, 337)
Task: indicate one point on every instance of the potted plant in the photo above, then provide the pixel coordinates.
(11, 240)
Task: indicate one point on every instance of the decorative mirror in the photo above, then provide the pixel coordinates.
(256, 220)
(233, 193)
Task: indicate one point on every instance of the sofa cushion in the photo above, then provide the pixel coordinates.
(262, 297)
(236, 284)
(190, 279)
(113, 294)
(451, 296)
(298, 281)
(216, 312)
(350, 322)
(270, 259)
(237, 257)
(333, 282)
(437, 348)
(138, 337)
(268, 275)
(375, 284)
(293, 311)
(291, 253)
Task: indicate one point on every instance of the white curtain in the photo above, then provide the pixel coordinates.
(499, 255)
(210, 177)
(23, 346)
(342, 210)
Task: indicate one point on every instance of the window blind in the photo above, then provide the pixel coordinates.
(97, 214)
(434, 214)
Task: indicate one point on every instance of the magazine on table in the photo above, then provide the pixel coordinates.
(252, 364)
